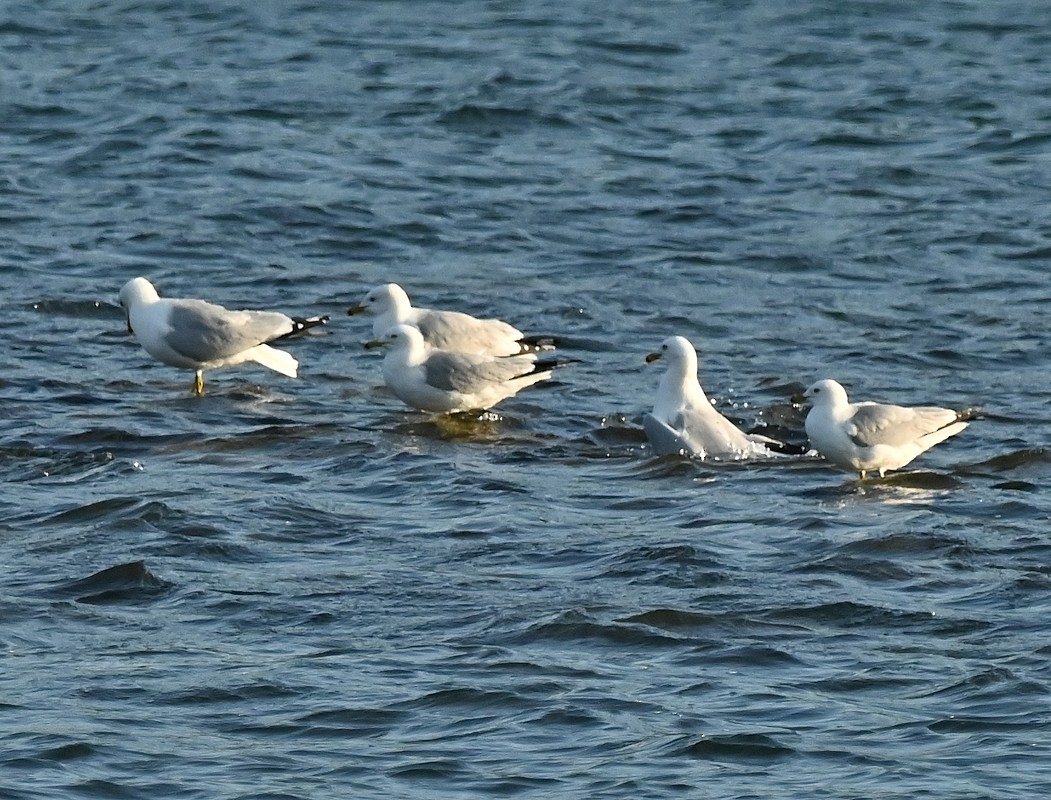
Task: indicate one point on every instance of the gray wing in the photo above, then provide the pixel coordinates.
(205, 332)
(451, 330)
(665, 439)
(467, 374)
(874, 423)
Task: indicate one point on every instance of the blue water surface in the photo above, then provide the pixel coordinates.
(303, 589)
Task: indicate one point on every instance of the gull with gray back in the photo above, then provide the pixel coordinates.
(446, 330)
(869, 436)
(197, 335)
(430, 379)
(683, 420)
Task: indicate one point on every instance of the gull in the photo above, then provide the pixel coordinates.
(683, 420)
(446, 330)
(873, 436)
(430, 379)
(194, 334)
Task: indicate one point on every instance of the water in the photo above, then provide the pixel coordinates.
(301, 589)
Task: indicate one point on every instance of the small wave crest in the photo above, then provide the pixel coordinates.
(121, 584)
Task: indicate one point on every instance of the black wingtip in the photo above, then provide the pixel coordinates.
(786, 448)
(535, 344)
(546, 364)
(304, 324)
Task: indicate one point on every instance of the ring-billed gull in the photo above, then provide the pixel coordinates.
(872, 436)
(446, 330)
(439, 380)
(196, 335)
(683, 420)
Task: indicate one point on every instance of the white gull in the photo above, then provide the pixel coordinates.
(430, 379)
(446, 330)
(683, 420)
(870, 436)
(194, 334)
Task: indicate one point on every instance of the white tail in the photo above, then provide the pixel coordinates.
(277, 360)
(928, 440)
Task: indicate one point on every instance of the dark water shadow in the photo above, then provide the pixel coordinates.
(897, 486)
(130, 583)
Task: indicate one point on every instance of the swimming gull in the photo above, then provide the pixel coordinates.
(446, 330)
(683, 420)
(872, 436)
(194, 334)
(430, 379)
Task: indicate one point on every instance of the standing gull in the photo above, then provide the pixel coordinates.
(683, 420)
(446, 330)
(438, 380)
(193, 334)
(873, 436)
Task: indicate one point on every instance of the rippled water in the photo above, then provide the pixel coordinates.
(301, 589)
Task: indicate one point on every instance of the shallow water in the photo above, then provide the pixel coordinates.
(301, 589)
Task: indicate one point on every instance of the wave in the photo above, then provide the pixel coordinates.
(126, 584)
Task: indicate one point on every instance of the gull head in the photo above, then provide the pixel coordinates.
(382, 300)
(137, 290)
(826, 392)
(400, 337)
(676, 349)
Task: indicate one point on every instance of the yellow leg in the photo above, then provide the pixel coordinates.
(198, 384)
(863, 472)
